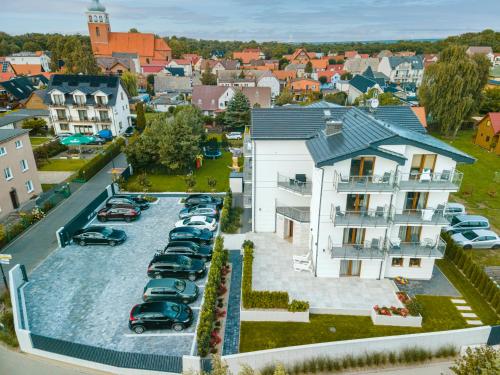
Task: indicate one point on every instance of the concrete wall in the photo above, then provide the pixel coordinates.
(424, 272)
(294, 354)
(395, 320)
(273, 315)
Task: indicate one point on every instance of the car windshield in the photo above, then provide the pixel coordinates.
(469, 235)
(455, 220)
(186, 221)
(107, 231)
(180, 285)
(185, 261)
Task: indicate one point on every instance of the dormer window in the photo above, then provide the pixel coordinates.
(79, 99)
(58, 99)
(101, 100)
(90, 18)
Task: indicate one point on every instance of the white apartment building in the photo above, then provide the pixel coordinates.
(30, 58)
(403, 69)
(364, 196)
(87, 104)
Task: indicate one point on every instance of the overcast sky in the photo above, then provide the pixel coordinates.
(261, 20)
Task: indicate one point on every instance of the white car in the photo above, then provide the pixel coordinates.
(453, 209)
(234, 135)
(479, 239)
(200, 222)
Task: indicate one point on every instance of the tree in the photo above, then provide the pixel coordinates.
(242, 74)
(141, 117)
(129, 81)
(144, 182)
(482, 361)
(133, 30)
(36, 126)
(346, 76)
(285, 97)
(491, 101)
(385, 98)
(451, 88)
(283, 63)
(339, 98)
(323, 80)
(309, 67)
(190, 181)
(238, 111)
(208, 78)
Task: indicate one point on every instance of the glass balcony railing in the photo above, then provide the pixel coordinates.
(449, 180)
(369, 250)
(299, 186)
(378, 217)
(427, 248)
(373, 183)
(301, 214)
(423, 216)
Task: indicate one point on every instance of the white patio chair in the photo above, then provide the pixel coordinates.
(425, 176)
(298, 266)
(302, 258)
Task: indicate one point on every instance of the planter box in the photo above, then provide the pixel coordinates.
(273, 315)
(396, 320)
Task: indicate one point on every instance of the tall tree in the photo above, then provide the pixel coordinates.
(285, 97)
(130, 82)
(208, 78)
(491, 101)
(141, 117)
(339, 98)
(451, 89)
(238, 111)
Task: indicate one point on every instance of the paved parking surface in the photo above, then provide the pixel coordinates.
(84, 294)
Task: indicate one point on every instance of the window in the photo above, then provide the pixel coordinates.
(487, 138)
(24, 165)
(58, 99)
(7, 172)
(101, 100)
(415, 262)
(3, 151)
(64, 127)
(79, 99)
(61, 114)
(19, 143)
(100, 18)
(397, 262)
(82, 115)
(29, 186)
(104, 115)
(121, 95)
(97, 31)
(90, 18)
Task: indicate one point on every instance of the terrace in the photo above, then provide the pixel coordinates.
(365, 184)
(447, 180)
(427, 248)
(366, 218)
(298, 185)
(423, 216)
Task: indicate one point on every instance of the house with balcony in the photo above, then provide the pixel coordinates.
(403, 69)
(87, 104)
(362, 193)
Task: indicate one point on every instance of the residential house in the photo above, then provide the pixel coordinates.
(211, 99)
(319, 65)
(303, 86)
(192, 57)
(361, 196)
(360, 85)
(258, 97)
(284, 77)
(36, 101)
(171, 84)
(262, 65)
(488, 132)
(299, 69)
(164, 102)
(405, 53)
(38, 58)
(358, 65)
(481, 50)
(430, 58)
(248, 55)
(182, 64)
(249, 78)
(105, 42)
(87, 104)
(404, 69)
(15, 119)
(219, 65)
(6, 70)
(384, 53)
(496, 59)
(119, 65)
(15, 92)
(301, 56)
(19, 181)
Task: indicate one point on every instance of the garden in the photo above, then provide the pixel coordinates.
(7, 333)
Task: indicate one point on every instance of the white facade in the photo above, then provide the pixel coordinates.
(402, 73)
(298, 201)
(272, 82)
(88, 117)
(30, 58)
(188, 69)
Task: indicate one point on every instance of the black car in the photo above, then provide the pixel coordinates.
(160, 315)
(128, 132)
(174, 290)
(196, 199)
(189, 249)
(118, 213)
(199, 236)
(139, 200)
(97, 235)
(122, 202)
(178, 266)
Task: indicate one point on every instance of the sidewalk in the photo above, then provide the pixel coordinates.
(34, 245)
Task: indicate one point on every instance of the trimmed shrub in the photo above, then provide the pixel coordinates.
(90, 169)
(48, 150)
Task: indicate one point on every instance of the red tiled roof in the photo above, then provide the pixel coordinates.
(152, 68)
(420, 113)
(283, 75)
(350, 54)
(144, 44)
(182, 61)
(495, 121)
(27, 69)
(6, 76)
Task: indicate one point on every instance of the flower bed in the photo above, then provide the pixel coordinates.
(407, 316)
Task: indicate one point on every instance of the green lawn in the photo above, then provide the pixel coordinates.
(478, 179)
(439, 314)
(219, 169)
(485, 258)
(37, 141)
(63, 165)
(469, 292)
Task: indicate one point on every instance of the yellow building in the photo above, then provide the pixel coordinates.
(488, 132)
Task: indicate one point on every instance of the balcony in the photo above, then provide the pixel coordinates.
(427, 248)
(446, 180)
(369, 250)
(362, 218)
(298, 185)
(362, 184)
(301, 214)
(423, 216)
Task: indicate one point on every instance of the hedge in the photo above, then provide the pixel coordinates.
(99, 162)
(48, 150)
(474, 272)
(255, 299)
(225, 221)
(208, 309)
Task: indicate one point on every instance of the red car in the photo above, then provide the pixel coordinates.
(118, 213)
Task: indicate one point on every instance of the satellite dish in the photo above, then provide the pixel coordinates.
(374, 103)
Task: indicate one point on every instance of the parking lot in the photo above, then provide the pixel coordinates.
(85, 294)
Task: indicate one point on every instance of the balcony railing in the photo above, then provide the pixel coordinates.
(301, 214)
(369, 250)
(449, 180)
(300, 186)
(374, 183)
(423, 216)
(427, 248)
(378, 217)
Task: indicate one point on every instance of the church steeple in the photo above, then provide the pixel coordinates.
(98, 23)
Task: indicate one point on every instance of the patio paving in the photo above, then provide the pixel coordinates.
(438, 285)
(53, 177)
(273, 270)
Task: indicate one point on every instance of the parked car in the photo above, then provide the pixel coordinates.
(453, 209)
(139, 200)
(122, 202)
(98, 235)
(196, 199)
(169, 289)
(234, 135)
(160, 315)
(478, 239)
(209, 210)
(200, 222)
(118, 213)
(128, 132)
(105, 134)
(463, 223)
(179, 266)
(189, 249)
(97, 140)
(196, 235)
(64, 135)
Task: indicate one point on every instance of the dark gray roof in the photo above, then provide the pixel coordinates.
(398, 115)
(21, 115)
(20, 87)
(417, 62)
(6, 134)
(88, 84)
(362, 83)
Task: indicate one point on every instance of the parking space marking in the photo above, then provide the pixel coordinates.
(108, 224)
(159, 334)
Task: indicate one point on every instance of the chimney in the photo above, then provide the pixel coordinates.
(333, 127)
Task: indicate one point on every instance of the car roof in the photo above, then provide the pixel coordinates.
(157, 306)
(484, 232)
(455, 205)
(161, 283)
(470, 217)
(95, 228)
(181, 242)
(198, 217)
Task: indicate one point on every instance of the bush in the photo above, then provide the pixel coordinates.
(90, 169)
(48, 150)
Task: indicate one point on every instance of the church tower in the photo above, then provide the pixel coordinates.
(98, 22)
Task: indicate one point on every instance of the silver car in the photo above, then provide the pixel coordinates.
(478, 239)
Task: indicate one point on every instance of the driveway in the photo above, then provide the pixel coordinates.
(85, 294)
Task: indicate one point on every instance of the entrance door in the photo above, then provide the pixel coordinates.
(350, 267)
(14, 198)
